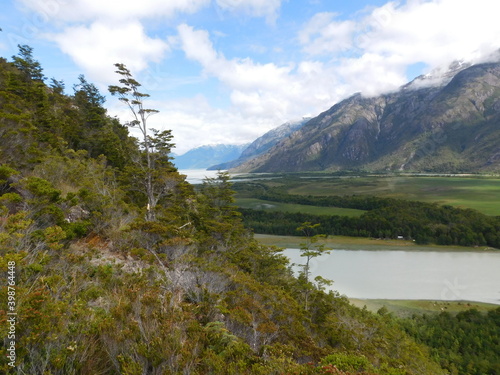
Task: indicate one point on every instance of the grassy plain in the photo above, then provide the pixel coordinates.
(362, 243)
(406, 308)
(480, 193)
(477, 192)
(258, 204)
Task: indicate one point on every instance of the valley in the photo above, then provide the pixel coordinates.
(426, 210)
(319, 193)
(478, 192)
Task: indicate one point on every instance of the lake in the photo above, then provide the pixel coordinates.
(452, 276)
(196, 176)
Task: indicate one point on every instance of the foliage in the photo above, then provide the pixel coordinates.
(152, 168)
(311, 249)
(37, 120)
(465, 343)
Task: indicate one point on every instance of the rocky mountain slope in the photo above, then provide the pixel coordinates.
(204, 156)
(451, 127)
(264, 143)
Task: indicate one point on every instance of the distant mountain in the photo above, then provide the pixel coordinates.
(264, 143)
(445, 122)
(204, 156)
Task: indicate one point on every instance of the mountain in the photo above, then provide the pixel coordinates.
(263, 143)
(445, 123)
(204, 156)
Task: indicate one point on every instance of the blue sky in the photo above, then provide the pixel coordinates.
(227, 71)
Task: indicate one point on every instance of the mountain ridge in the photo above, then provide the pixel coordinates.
(204, 156)
(452, 127)
(263, 143)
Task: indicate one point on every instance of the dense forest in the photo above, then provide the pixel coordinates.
(467, 343)
(119, 266)
(384, 218)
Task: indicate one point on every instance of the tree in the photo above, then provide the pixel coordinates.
(27, 64)
(311, 249)
(90, 100)
(220, 220)
(153, 165)
(57, 86)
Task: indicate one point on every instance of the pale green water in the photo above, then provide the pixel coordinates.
(468, 276)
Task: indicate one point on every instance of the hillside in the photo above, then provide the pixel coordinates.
(263, 144)
(452, 127)
(205, 156)
(116, 265)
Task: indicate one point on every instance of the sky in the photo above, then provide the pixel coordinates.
(227, 71)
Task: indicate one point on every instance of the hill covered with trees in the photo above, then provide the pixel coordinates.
(119, 266)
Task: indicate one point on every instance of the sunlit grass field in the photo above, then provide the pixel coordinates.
(361, 243)
(258, 204)
(480, 193)
(405, 308)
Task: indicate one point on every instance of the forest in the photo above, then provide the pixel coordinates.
(466, 343)
(384, 218)
(119, 266)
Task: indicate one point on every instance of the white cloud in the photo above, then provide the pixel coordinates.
(90, 10)
(324, 35)
(252, 84)
(372, 54)
(98, 47)
(372, 74)
(256, 8)
(197, 45)
(266, 90)
(238, 74)
(394, 36)
(118, 10)
(97, 34)
(194, 122)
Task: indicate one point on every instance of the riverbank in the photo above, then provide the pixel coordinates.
(362, 243)
(406, 308)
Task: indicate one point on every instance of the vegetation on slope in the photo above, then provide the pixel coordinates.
(465, 343)
(121, 267)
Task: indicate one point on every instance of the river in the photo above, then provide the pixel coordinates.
(467, 276)
(196, 176)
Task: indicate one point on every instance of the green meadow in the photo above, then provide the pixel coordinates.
(477, 192)
(362, 243)
(259, 204)
(406, 308)
(480, 193)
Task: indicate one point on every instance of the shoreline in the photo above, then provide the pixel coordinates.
(363, 243)
(405, 308)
